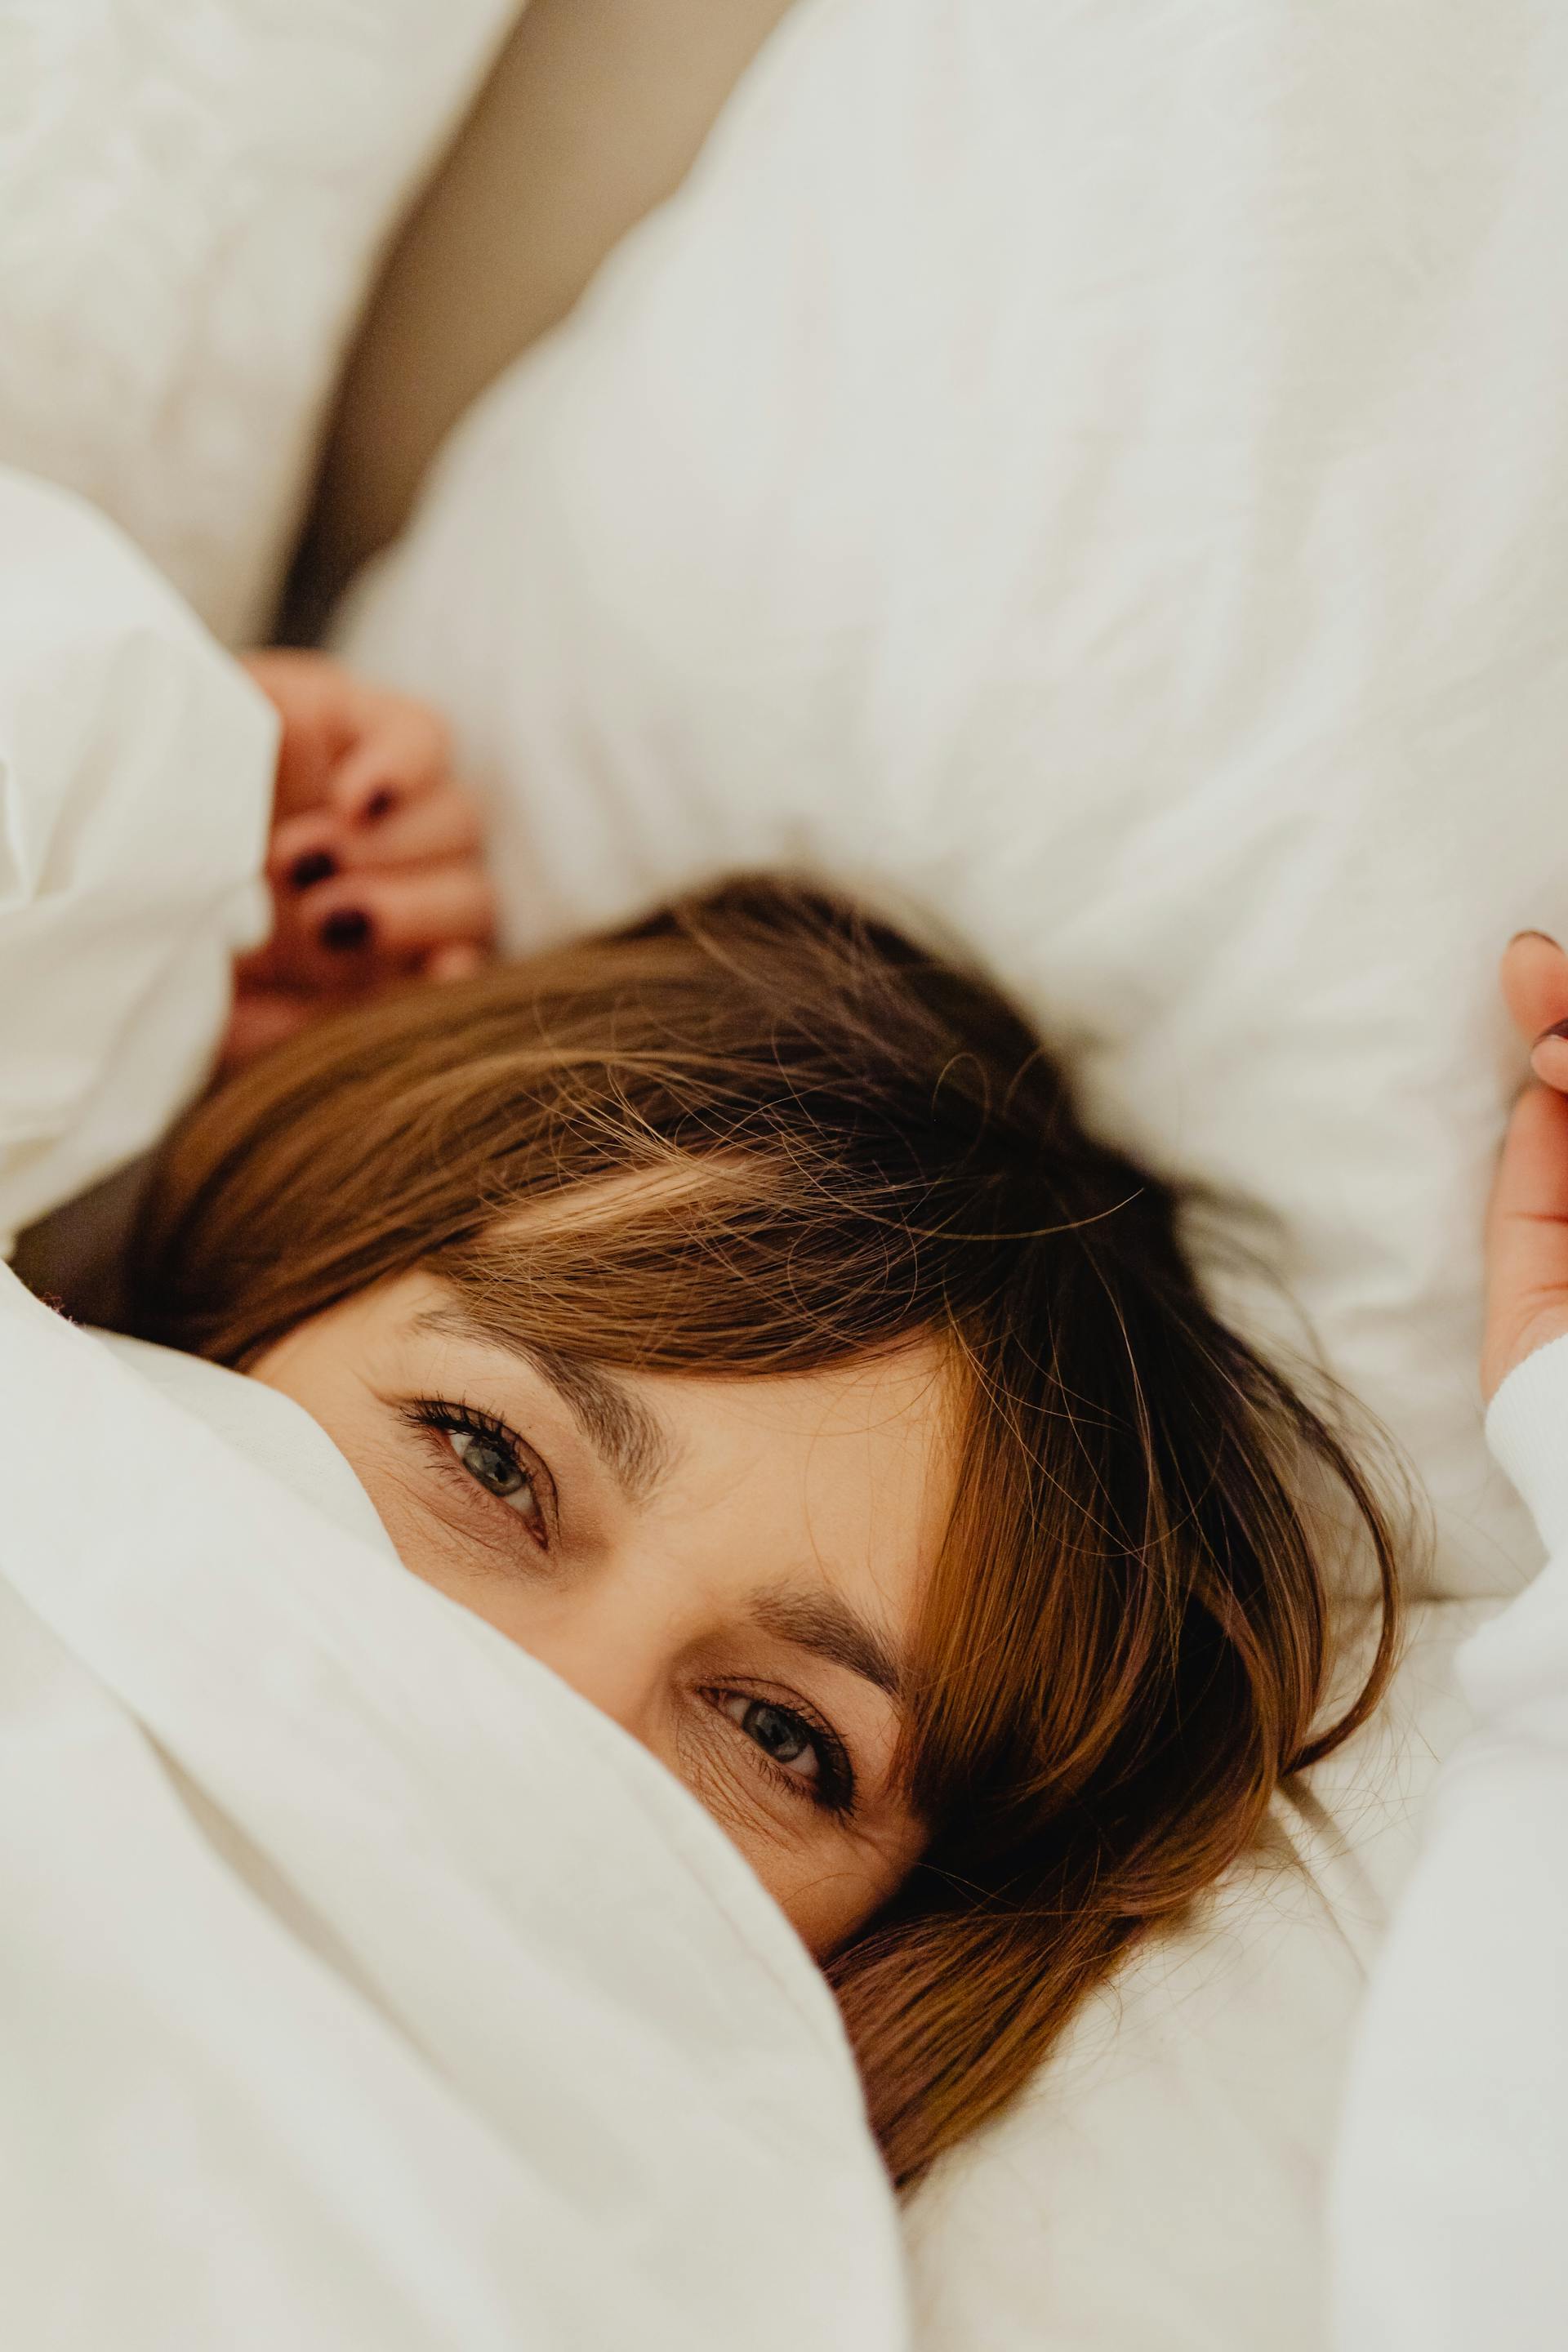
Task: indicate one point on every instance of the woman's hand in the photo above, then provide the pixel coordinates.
(375, 858)
(1527, 1225)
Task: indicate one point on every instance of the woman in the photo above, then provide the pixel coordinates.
(733, 1311)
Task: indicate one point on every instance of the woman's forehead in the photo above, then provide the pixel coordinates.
(899, 1405)
(839, 1480)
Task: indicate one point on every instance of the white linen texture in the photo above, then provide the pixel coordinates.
(136, 768)
(193, 196)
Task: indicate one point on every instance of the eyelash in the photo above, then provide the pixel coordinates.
(831, 1790)
(443, 1418)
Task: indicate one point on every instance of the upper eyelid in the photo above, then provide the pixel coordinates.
(833, 1750)
(484, 1424)
(627, 1438)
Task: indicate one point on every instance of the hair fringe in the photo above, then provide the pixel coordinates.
(762, 1133)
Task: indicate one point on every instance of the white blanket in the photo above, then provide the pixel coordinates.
(359, 1985)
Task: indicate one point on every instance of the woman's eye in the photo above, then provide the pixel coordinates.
(499, 1473)
(489, 1452)
(783, 1737)
(490, 1463)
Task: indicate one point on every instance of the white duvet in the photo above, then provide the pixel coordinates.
(359, 1984)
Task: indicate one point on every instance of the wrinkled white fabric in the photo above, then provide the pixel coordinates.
(193, 196)
(359, 1984)
(265, 1426)
(1450, 2201)
(136, 769)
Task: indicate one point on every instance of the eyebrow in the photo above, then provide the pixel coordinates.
(831, 1629)
(624, 1431)
(639, 1450)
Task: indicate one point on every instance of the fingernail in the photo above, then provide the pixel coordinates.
(1558, 1029)
(345, 931)
(1533, 935)
(316, 865)
(382, 803)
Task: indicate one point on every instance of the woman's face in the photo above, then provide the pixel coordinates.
(730, 1567)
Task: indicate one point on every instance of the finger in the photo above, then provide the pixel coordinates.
(1527, 1235)
(1534, 976)
(262, 967)
(262, 1018)
(359, 926)
(404, 752)
(305, 850)
(324, 710)
(346, 744)
(436, 907)
(446, 825)
(460, 963)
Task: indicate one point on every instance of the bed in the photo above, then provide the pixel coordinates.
(1093, 479)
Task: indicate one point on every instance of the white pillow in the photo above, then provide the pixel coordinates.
(1099, 474)
(1161, 2188)
(193, 195)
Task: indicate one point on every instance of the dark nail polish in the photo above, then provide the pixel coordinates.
(381, 804)
(345, 931)
(1558, 1029)
(316, 865)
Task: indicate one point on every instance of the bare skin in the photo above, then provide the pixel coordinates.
(729, 1569)
(1527, 1232)
(374, 859)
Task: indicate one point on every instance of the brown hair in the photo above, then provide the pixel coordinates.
(1126, 1646)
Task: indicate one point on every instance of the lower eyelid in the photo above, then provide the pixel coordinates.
(449, 1466)
(814, 1738)
(831, 1789)
(524, 1473)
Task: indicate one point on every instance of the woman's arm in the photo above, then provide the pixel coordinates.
(1451, 2195)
